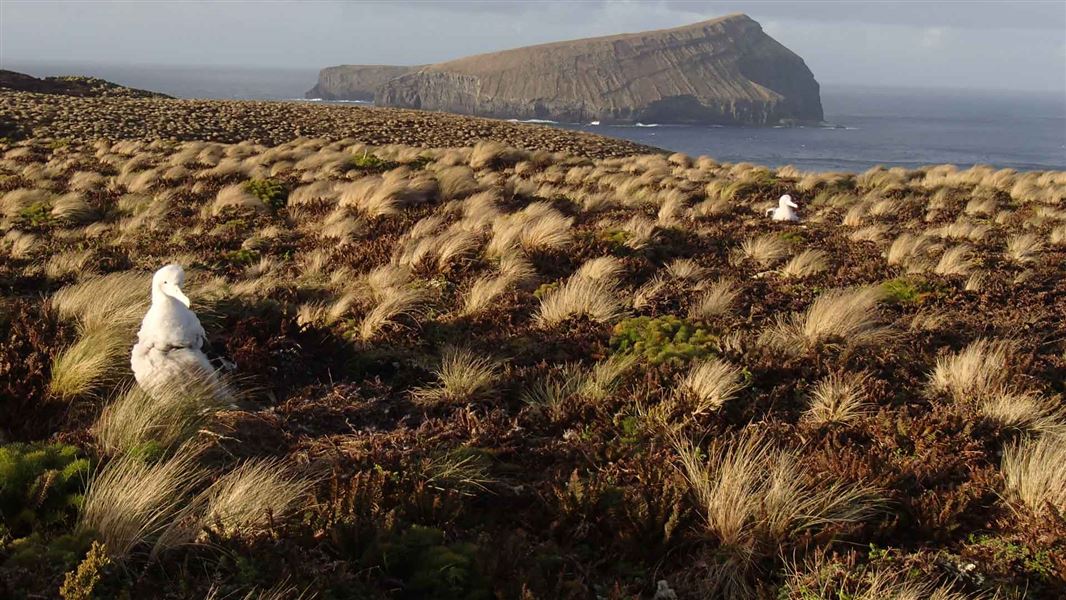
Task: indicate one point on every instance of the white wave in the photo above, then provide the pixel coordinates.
(594, 122)
(645, 125)
(531, 121)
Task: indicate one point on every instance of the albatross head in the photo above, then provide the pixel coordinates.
(786, 200)
(168, 281)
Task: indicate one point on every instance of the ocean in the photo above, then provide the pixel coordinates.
(864, 126)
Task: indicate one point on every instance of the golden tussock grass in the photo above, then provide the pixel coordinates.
(957, 260)
(116, 299)
(1024, 410)
(71, 262)
(456, 182)
(806, 264)
(686, 269)
(492, 154)
(236, 198)
(169, 416)
(255, 494)
(753, 497)
(714, 301)
(1024, 248)
(975, 372)
(72, 209)
(136, 505)
(710, 383)
(1034, 473)
(595, 299)
(97, 359)
(608, 269)
(765, 250)
(462, 376)
(846, 315)
(394, 303)
(838, 398)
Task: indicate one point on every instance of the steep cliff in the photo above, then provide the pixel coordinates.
(354, 82)
(725, 70)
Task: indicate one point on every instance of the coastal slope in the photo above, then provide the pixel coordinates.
(84, 87)
(722, 71)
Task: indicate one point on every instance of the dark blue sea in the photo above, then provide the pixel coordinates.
(864, 126)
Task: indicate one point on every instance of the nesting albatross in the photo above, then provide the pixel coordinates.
(168, 348)
(784, 211)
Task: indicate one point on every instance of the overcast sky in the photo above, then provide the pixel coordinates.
(990, 45)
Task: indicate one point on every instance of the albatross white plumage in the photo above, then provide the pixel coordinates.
(784, 210)
(168, 348)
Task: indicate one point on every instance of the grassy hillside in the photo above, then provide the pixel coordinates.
(489, 372)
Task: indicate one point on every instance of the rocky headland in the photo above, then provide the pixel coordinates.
(722, 71)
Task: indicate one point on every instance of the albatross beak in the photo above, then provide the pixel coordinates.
(175, 292)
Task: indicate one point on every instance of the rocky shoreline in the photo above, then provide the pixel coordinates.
(25, 114)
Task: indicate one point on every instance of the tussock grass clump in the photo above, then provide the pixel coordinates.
(236, 198)
(806, 263)
(462, 376)
(715, 301)
(977, 371)
(753, 497)
(765, 250)
(1024, 248)
(1025, 410)
(133, 505)
(957, 260)
(1035, 473)
(169, 416)
(848, 316)
(394, 303)
(97, 359)
(839, 398)
(115, 299)
(710, 383)
(493, 154)
(248, 499)
(580, 297)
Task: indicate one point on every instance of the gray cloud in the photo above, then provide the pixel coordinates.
(1000, 45)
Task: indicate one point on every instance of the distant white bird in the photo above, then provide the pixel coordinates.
(784, 211)
(169, 343)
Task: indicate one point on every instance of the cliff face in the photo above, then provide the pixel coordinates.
(725, 71)
(354, 82)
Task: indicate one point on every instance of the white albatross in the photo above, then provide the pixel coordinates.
(168, 348)
(784, 211)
